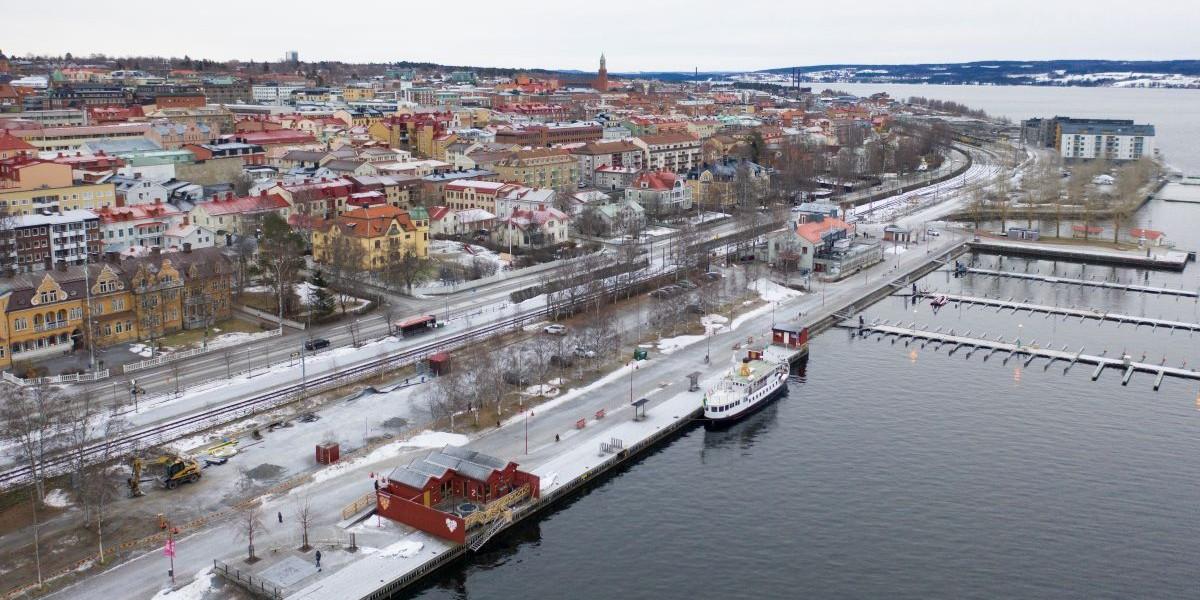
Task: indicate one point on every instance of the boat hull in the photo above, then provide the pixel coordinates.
(728, 419)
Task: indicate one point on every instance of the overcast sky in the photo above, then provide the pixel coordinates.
(636, 35)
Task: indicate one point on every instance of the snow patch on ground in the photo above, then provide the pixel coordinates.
(435, 439)
(772, 292)
(713, 324)
(57, 498)
(545, 390)
(669, 345)
(403, 549)
(195, 590)
(425, 439)
(576, 392)
(546, 481)
(141, 350)
(894, 250)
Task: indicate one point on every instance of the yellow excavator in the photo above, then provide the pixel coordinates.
(176, 470)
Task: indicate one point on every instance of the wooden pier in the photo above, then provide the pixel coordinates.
(1067, 313)
(1172, 260)
(1111, 285)
(1026, 353)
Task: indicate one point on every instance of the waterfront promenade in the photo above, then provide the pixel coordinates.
(659, 379)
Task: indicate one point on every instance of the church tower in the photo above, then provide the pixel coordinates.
(602, 76)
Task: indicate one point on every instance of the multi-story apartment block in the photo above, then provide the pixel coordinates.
(540, 167)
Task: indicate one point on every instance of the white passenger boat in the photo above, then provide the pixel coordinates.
(747, 387)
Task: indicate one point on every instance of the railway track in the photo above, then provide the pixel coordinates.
(161, 433)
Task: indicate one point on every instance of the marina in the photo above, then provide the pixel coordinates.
(1066, 313)
(1173, 260)
(1098, 283)
(1025, 353)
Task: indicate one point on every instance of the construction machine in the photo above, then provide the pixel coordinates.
(176, 470)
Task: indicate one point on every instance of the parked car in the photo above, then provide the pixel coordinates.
(516, 378)
(555, 329)
(712, 276)
(932, 232)
(316, 344)
(582, 352)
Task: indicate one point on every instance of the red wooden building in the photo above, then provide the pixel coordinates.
(428, 493)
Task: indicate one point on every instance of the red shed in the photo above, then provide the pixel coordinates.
(790, 335)
(328, 453)
(439, 363)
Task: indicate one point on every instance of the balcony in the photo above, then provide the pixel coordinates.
(50, 325)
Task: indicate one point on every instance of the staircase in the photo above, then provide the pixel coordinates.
(488, 534)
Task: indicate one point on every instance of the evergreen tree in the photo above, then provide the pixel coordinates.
(321, 303)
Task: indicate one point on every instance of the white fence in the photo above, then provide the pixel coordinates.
(163, 359)
(93, 376)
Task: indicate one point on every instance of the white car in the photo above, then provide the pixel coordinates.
(932, 232)
(555, 329)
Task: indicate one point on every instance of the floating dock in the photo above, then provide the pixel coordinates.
(1111, 285)
(1081, 313)
(1025, 352)
(1171, 260)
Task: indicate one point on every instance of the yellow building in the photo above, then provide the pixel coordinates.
(43, 315)
(29, 184)
(357, 94)
(378, 232)
(540, 168)
(54, 312)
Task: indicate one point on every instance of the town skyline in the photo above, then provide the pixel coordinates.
(738, 41)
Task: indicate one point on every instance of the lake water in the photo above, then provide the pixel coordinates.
(900, 472)
(1175, 114)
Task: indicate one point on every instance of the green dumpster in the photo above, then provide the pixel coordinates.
(640, 354)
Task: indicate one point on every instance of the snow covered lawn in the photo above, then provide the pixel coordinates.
(57, 498)
(772, 292)
(669, 345)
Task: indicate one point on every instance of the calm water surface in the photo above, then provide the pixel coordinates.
(901, 472)
(1174, 113)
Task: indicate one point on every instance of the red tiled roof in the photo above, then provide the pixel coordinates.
(812, 230)
(656, 180)
(371, 221)
(668, 138)
(436, 213)
(12, 142)
(243, 205)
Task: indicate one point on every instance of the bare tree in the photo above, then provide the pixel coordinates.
(343, 261)
(249, 523)
(404, 266)
(244, 248)
(100, 482)
(30, 415)
(304, 517)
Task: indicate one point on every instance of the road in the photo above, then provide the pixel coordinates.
(657, 379)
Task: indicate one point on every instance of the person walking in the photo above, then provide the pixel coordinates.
(318, 560)
(280, 515)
